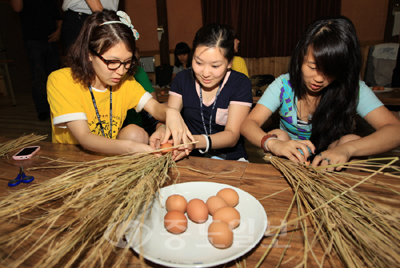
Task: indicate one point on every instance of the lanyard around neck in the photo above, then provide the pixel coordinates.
(212, 110)
(97, 111)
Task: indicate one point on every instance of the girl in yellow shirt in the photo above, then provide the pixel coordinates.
(90, 98)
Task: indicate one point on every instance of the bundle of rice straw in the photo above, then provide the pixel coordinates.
(76, 208)
(360, 231)
(22, 141)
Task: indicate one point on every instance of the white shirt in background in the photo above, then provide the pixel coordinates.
(82, 6)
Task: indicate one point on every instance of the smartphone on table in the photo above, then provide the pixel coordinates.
(26, 153)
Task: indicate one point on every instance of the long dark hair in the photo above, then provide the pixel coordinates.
(100, 38)
(335, 47)
(182, 48)
(216, 35)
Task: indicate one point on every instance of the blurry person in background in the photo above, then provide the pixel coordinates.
(182, 58)
(41, 28)
(76, 12)
(238, 63)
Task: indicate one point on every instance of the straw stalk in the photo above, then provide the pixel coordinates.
(88, 198)
(346, 223)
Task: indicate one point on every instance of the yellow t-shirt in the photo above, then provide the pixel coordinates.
(239, 65)
(70, 101)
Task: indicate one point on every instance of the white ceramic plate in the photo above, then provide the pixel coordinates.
(386, 89)
(192, 248)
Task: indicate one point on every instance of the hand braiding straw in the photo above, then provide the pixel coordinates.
(173, 147)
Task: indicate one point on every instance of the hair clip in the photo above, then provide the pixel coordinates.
(124, 19)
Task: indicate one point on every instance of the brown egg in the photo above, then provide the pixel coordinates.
(230, 196)
(176, 202)
(197, 210)
(166, 145)
(220, 235)
(228, 215)
(214, 203)
(175, 222)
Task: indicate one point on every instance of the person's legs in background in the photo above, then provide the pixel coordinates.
(43, 58)
(72, 24)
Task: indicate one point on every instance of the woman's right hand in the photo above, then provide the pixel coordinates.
(289, 149)
(182, 152)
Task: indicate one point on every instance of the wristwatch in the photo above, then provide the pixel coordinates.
(265, 139)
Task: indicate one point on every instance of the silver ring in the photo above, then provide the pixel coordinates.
(327, 160)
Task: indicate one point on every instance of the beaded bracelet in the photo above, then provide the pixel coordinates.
(265, 139)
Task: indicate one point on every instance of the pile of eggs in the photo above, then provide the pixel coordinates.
(221, 207)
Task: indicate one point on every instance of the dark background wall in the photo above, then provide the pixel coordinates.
(184, 19)
(12, 48)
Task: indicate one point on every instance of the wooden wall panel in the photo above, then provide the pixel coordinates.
(280, 65)
(271, 65)
(364, 57)
(157, 60)
(369, 18)
(184, 19)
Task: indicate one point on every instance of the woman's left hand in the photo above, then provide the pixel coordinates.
(332, 156)
(156, 137)
(176, 127)
(155, 143)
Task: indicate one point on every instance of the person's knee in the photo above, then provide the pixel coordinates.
(134, 133)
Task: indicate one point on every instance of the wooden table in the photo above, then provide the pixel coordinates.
(391, 98)
(259, 180)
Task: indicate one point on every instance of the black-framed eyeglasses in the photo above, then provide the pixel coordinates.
(114, 64)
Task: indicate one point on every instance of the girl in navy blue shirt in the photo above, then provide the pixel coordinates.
(213, 99)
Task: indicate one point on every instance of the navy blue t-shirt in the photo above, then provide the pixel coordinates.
(235, 88)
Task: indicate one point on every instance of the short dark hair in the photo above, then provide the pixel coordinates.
(334, 44)
(182, 48)
(216, 35)
(100, 38)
